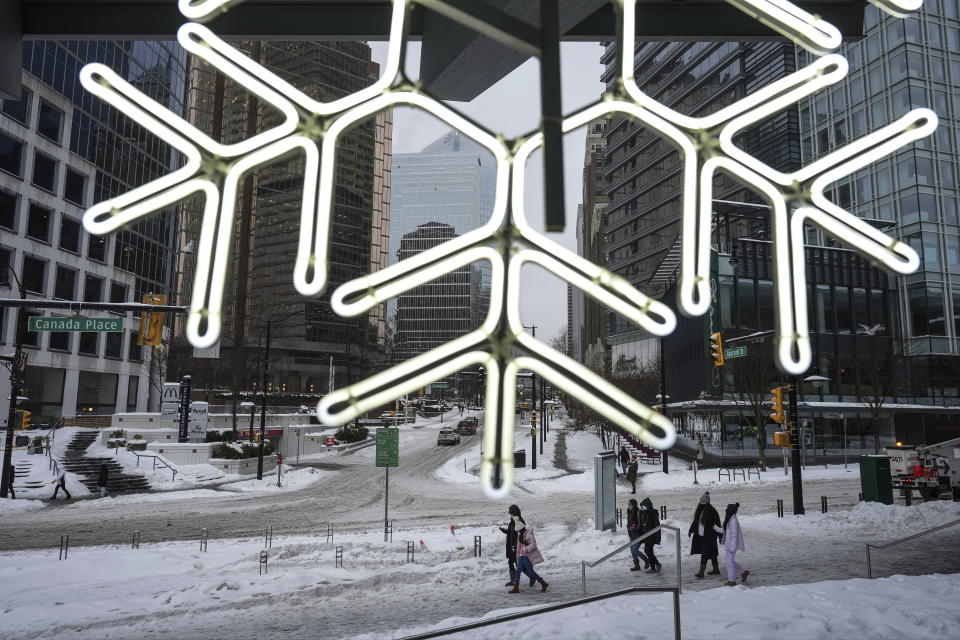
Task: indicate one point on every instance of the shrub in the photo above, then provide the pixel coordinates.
(239, 451)
(116, 433)
(351, 433)
(137, 436)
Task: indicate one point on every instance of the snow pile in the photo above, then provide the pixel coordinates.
(657, 480)
(291, 480)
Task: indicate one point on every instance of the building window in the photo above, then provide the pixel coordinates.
(118, 293)
(49, 121)
(88, 344)
(11, 155)
(73, 187)
(18, 109)
(97, 248)
(60, 341)
(69, 234)
(114, 348)
(28, 338)
(97, 392)
(44, 172)
(133, 390)
(34, 272)
(38, 223)
(135, 353)
(5, 255)
(8, 210)
(92, 289)
(65, 285)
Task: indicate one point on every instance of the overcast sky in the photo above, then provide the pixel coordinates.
(512, 107)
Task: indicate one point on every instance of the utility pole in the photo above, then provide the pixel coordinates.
(663, 397)
(795, 440)
(16, 373)
(533, 412)
(263, 403)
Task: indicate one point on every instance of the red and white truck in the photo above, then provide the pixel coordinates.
(932, 470)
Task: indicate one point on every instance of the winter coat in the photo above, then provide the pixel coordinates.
(624, 456)
(733, 537)
(102, 478)
(700, 453)
(633, 523)
(632, 471)
(527, 546)
(706, 546)
(649, 520)
(61, 474)
(511, 541)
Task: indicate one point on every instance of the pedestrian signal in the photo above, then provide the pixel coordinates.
(716, 348)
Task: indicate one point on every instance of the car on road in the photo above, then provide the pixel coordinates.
(467, 426)
(448, 436)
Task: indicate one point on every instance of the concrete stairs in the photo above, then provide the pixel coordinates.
(87, 468)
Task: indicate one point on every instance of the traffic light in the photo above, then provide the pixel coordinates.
(151, 324)
(22, 419)
(716, 348)
(777, 401)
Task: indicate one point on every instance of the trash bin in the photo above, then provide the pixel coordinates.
(875, 479)
(520, 458)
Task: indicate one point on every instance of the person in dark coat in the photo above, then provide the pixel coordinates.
(634, 531)
(704, 536)
(102, 479)
(624, 458)
(11, 474)
(511, 541)
(632, 475)
(650, 520)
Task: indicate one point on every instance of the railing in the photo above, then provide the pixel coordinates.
(155, 458)
(901, 540)
(557, 607)
(676, 534)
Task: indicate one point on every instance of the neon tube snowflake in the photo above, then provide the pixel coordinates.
(311, 129)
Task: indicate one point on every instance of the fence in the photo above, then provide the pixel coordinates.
(584, 564)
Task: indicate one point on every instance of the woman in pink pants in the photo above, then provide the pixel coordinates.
(732, 542)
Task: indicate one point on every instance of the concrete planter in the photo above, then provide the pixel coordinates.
(244, 466)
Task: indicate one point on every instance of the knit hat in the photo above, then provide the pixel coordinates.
(705, 497)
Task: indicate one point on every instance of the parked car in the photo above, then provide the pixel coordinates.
(448, 436)
(467, 426)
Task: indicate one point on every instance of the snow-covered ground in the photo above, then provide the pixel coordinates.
(176, 590)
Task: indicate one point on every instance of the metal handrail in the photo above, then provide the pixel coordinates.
(907, 539)
(676, 534)
(556, 607)
(155, 458)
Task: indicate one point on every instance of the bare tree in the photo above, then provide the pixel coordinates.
(877, 368)
(754, 376)
(561, 341)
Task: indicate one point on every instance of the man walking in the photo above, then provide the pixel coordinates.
(700, 453)
(61, 480)
(632, 475)
(624, 458)
(10, 477)
(102, 479)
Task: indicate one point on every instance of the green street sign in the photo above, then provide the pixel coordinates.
(113, 325)
(388, 447)
(734, 352)
(439, 385)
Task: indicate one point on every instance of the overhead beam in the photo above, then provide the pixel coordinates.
(11, 50)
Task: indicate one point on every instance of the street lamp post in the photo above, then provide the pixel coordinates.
(263, 404)
(251, 407)
(663, 392)
(16, 381)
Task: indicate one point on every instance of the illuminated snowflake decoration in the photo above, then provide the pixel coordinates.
(311, 129)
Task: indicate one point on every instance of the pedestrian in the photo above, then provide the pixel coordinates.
(624, 457)
(11, 475)
(528, 554)
(634, 531)
(704, 535)
(61, 480)
(632, 474)
(511, 533)
(732, 542)
(650, 520)
(700, 453)
(102, 479)
(461, 408)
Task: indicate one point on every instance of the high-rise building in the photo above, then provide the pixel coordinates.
(62, 150)
(305, 333)
(435, 313)
(450, 181)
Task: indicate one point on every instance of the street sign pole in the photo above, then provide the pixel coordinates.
(184, 433)
(795, 450)
(387, 455)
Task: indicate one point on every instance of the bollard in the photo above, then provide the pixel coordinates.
(263, 562)
(477, 548)
(779, 508)
(268, 537)
(663, 512)
(908, 497)
(859, 497)
(329, 533)
(203, 540)
(410, 551)
(64, 546)
(388, 531)
(338, 558)
(823, 504)
(135, 543)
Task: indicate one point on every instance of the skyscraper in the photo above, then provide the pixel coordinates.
(61, 150)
